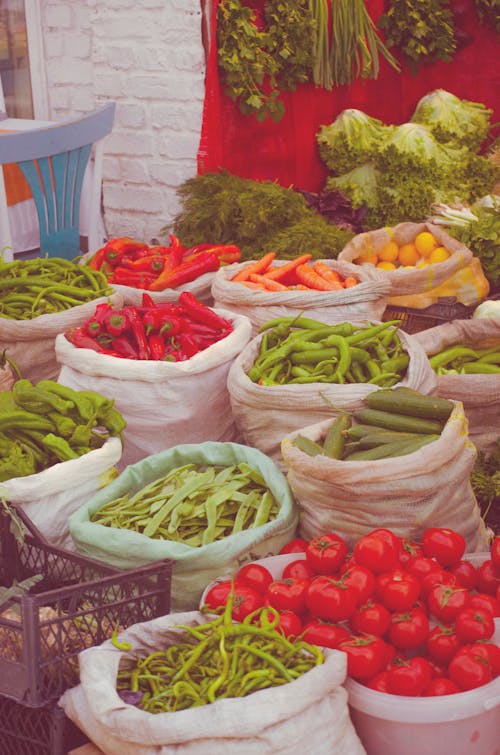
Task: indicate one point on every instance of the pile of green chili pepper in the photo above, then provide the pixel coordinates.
(29, 288)
(194, 505)
(219, 659)
(46, 423)
(461, 359)
(302, 350)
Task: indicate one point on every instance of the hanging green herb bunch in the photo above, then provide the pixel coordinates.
(489, 12)
(260, 63)
(423, 30)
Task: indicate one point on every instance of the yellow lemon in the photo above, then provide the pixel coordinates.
(425, 243)
(368, 260)
(390, 252)
(385, 265)
(440, 254)
(408, 254)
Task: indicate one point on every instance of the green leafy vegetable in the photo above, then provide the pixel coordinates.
(451, 119)
(313, 235)
(423, 30)
(360, 185)
(351, 140)
(489, 12)
(485, 479)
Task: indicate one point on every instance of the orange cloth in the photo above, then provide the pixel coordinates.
(16, 186)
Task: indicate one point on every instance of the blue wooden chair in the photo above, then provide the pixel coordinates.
(53, 159)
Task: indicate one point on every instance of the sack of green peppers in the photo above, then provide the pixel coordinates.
(209, 506)
(57, 448)
(401, 461)
(289, 695)
(40, 298)
(465, 355)
(298, 368)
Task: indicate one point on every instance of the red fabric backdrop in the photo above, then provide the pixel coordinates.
(287, 151)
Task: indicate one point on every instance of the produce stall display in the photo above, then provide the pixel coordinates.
(260, 407)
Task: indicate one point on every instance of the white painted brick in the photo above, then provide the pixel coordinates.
(59, 98)
(82, 98)
(133, 171)
(134, 198)
(65, 70)
(58, 15)
(130, 143)
(130, 116)
(110, 85)
(54, 42)
(179, 145)
(78, 45)
(119, 27)
(172, 172)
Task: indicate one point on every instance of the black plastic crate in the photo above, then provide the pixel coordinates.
(36, 731)
(85, 600)
(446, 309)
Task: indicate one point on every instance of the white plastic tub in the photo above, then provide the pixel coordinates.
(466, 723)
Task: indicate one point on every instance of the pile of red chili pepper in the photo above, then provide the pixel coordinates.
(167, 331)
(128, 262)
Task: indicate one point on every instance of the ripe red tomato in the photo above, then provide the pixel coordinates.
(324, 634)
(465, 574)
(298, 569)
(289, 624)
(361, 580)
(325, 553)
(366, 656)
(297, 545)
(483, 600)
(445, 545)
(488, 580)
(246, 600)
(441, 686)
(437, 577)
(471, 667)
(397, 590)
(408, 630)
(371, 618)
(216, 596)
(442, 644)
(376, 552)
(408, 549)
(495, 554)
(493, 651)
(473, 624)
(378, 682)
(420, 566)
(330, 599)
(255, 576)
(388, 536)
(446, 601)
(409, 676)
(288, 594)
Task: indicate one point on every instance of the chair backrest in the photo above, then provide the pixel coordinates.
(53, 159)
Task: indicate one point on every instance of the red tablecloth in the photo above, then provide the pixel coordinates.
(287, 151)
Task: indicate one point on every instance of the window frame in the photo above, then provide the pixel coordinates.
(36, 55)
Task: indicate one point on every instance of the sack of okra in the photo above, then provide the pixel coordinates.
(310, 713)
(465, 355)
(426, 484)
(266, 407)
(189, 503)
(367, 299)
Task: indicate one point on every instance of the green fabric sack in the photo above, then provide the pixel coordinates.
(193, 568)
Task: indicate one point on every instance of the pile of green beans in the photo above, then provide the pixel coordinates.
(302, 350)
(194, 505)
(462, 359)
(29, 288)
(219, 659)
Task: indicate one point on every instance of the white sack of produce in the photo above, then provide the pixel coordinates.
(194, 567)
(31, 343)
(429, 487)
(365, 300)
(201, 288)
(306, 715)
(265, 414)
(479, 390)
(164, 403)
(407, 280)
(51, 496)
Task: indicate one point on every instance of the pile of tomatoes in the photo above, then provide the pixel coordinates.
(413, 618)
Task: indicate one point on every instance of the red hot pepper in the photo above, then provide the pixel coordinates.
(96, 261)
(188, 346)
(148, 301)
(118, 247)
(125, 277)
(116, 322)
(202, 314)
(188, 271)
(161, 320)
(139, 332)
(124, 347)
(79, 338)
(157, 347)
(150, 264)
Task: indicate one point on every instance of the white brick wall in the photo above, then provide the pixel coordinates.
(147, 56)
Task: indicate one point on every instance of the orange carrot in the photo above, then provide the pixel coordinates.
(249, 284)
(327, 273)
(258, 267)
(310, 277)
(350, 281)
(278, 273)
(266, 283)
